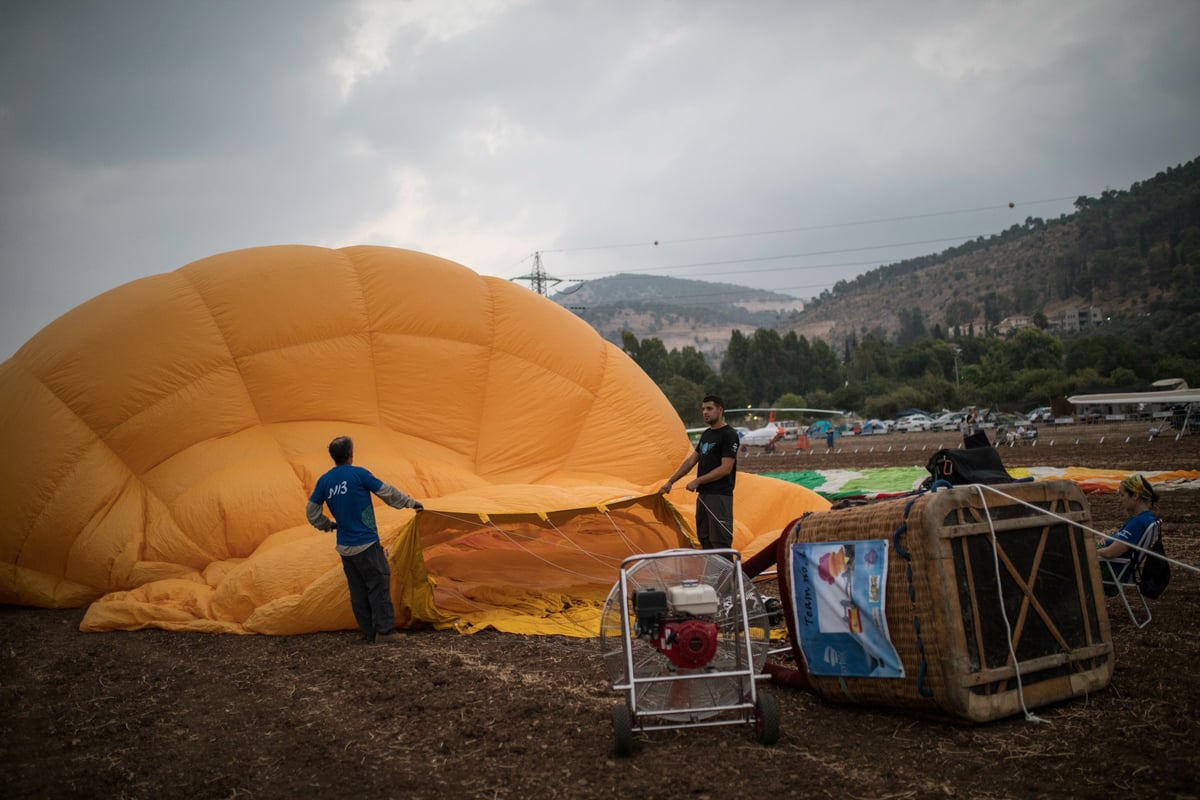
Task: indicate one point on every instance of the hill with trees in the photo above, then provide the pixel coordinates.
(1125, 252)
(981, 323)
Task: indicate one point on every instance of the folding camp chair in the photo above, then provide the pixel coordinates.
(1124, 574)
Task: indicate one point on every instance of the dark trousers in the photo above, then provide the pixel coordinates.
(714, 520)
(369, 578)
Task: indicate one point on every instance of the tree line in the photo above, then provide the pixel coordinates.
(877, 377)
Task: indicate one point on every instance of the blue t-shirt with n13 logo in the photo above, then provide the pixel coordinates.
(347, 490)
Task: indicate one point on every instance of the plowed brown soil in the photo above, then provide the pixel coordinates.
(166, 715)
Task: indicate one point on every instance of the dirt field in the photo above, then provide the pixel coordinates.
(166, 715)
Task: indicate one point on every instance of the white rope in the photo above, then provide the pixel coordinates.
(1029, 717)
(1093, 531)
(606, 561)
(728, 530)
(624, 538)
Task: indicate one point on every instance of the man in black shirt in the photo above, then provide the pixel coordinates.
(716, 455)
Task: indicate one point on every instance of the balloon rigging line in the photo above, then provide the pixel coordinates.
(715, 518)
(607, 561)
(512, 538)
(1012, 653)
(1100, 534)
(621, 533)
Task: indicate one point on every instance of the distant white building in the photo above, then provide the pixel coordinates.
(1013, 324)
(1073, 319)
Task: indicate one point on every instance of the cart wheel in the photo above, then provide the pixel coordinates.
(623, 730)
(766, 720)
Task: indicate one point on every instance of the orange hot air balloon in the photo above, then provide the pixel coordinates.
(164, 436)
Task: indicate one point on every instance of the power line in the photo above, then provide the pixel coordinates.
(806, 228)
(758, 259)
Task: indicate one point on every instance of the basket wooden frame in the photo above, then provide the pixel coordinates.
(943, 602)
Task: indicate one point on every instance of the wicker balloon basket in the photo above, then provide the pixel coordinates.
(963, 602)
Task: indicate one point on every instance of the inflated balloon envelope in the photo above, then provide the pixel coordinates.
(163, 438)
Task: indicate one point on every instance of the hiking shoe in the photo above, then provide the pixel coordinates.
(388, 638)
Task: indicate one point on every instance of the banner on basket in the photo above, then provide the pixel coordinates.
(838, 593)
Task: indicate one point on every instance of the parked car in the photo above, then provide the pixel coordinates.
(946, 422)
(913, 423)
(1040, 414)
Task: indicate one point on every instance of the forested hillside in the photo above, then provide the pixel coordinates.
(1134, 255)
(1126, 252)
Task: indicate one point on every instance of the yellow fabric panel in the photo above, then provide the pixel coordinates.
(166, 541)
(412, 588)
(245, 497)
(128, 348)
(544, 335)
(645, 451)
(32, 587)
(184, 418)
(324, 605)
(104, 554)
(401, 288)
(333, 379)
(420, 397)
(171, 431)
(173, 605)
(47, 440)
(543, 430)
(82, 500)
(274, 572)
(275, 298)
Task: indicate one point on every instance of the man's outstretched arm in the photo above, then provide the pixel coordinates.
(398, 499)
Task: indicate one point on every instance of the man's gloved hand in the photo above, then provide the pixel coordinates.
(418, 507)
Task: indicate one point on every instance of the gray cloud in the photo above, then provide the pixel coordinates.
(138, 136)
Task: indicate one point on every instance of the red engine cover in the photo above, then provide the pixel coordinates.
(689, 643)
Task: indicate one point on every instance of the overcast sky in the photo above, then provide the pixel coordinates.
(781, 145)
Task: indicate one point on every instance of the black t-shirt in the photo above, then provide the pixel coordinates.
(712, 447)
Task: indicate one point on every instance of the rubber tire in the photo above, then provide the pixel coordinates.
(766, 720)
(622, 720)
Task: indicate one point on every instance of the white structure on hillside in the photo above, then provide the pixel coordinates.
(1073, 319)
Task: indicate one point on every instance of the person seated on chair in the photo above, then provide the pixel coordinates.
(1138, 499)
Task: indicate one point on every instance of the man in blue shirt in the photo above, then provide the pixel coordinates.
(347, 490)
(716, 455)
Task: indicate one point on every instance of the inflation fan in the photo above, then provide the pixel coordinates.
(684, 636)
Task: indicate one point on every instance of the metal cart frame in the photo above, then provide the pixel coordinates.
(755, 708)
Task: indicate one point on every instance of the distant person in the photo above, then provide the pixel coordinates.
(347, 490)
(972, 429)
(716, 454)
(1138, 499)
(829, 437)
